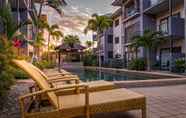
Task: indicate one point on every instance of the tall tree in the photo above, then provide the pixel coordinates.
(36, 14)
(89, 44)
(71, 40)
(149, 41)
(98, 24)
(54, 32)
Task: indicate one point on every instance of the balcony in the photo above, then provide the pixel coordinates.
(131, 10)
(158, 6)
(175, 28)
(129, 37)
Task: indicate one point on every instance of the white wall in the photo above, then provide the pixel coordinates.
(117, 32)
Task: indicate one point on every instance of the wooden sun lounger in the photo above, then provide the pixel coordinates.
(56, 83)
(83, 104)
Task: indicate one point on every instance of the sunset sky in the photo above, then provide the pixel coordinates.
(76, 15)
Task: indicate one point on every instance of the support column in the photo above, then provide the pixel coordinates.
(185, 28)
(59, 61)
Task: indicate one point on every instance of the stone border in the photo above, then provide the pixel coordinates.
(150, 83)
(138, 73)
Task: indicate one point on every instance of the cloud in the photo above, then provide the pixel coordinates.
(74, 20)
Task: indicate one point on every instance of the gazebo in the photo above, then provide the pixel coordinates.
(66, 49)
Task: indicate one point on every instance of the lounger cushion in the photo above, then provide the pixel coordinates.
(103, 101)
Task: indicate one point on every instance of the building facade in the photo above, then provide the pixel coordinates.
(140, 15)
(172, 27)
(106, 45)
(117, 34)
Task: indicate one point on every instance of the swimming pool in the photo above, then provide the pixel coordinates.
(92, 75)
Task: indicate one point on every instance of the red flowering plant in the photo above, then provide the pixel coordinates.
(17, 42)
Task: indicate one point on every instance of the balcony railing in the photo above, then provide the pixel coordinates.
(174, 27)
(129, 36)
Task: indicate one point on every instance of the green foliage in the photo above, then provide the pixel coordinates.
(180, 66)
(89, 43)
(71, 40)
(19, 74)
(117, 63)
(98, 23)
(89, 59)
(6, 74)
(44, 64)
(149, 41)
(137, 64)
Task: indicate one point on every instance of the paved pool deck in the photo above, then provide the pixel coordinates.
(167, 101)
(162, 102)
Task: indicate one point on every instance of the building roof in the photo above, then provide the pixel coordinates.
(117, 2)
(117, 13)
(70, 48)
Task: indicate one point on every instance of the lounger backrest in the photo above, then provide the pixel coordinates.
(39, 79)
(36, 68)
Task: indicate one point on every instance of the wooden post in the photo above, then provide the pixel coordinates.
(59, 61)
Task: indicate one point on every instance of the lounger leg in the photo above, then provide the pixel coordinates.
(87, 115)
(144, 114)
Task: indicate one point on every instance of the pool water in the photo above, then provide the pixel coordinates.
(91, 75)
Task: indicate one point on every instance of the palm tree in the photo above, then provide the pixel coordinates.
(98, 24)
(71, 40)
(149, 41)
(36, 15)
(55, 33)
(89, 43)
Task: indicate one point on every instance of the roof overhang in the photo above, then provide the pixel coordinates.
(117, 13)
(161, 6)
(117, 2)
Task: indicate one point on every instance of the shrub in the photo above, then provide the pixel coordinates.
(44, 64)
(19, 74)
(179, 66)
(89, 59)
(6, 74)
(137, 64)
(118, 63)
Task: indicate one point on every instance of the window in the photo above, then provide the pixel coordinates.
(110, 54)
(164, 25)
(110, 39)
(116, 22)
(177, 15)
(116, 40)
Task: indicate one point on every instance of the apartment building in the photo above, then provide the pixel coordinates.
(140, 15)
(20, 14)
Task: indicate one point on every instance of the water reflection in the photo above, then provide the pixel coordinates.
(90, 75)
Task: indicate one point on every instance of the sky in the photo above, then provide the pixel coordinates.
(76, 15)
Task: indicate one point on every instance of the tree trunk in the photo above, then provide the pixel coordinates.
(40, 8)
(99, 50)
(148, 60)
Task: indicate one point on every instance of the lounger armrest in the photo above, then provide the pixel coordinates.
(39, 93)
(58, 74)
(61, 77)
(77, 81)
(52, 90)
